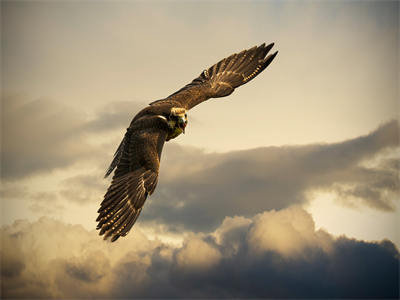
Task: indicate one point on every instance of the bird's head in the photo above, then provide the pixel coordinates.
(178, 120)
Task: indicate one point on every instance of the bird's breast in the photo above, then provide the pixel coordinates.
(174, 133)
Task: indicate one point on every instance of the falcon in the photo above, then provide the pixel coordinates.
(137, 159)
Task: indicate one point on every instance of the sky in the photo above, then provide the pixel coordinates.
(287, 188)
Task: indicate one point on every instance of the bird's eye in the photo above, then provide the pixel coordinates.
(185, 115)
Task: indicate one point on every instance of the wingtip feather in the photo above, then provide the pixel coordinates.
(270, 58)
(269, 47)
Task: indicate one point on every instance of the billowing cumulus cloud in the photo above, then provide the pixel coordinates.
(274, 254)
(289, 232)
(197, 254)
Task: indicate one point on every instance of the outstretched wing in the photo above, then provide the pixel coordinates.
(137, 161)
(221, 79)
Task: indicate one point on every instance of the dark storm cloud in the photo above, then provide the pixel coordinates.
(275, 254)
(197, 190)
(43, 135)
(270, 275)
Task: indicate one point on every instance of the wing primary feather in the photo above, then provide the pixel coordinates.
(113, 204)
(118, 227)
(121, 205)
(121, 217)
(222, 78)
(106, 227)
(133, 221)
(130, 223)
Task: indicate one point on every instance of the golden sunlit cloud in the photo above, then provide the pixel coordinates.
(52, 259)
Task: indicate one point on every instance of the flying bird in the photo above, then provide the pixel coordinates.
(137, 159)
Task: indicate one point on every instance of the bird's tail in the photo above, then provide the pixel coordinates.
(117, 155)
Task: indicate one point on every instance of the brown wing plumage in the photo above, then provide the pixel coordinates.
(137, 158)
(221, 79)
(137, 163)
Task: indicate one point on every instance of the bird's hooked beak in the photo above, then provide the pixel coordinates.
(182, 122)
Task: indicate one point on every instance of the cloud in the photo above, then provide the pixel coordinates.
(115, 115)
(274, 254)
(43, 135)
(51, 259)
(83, 188)
(45, 203)
(197, 190)
(40, 135)
(197, 254)
(288, 232)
